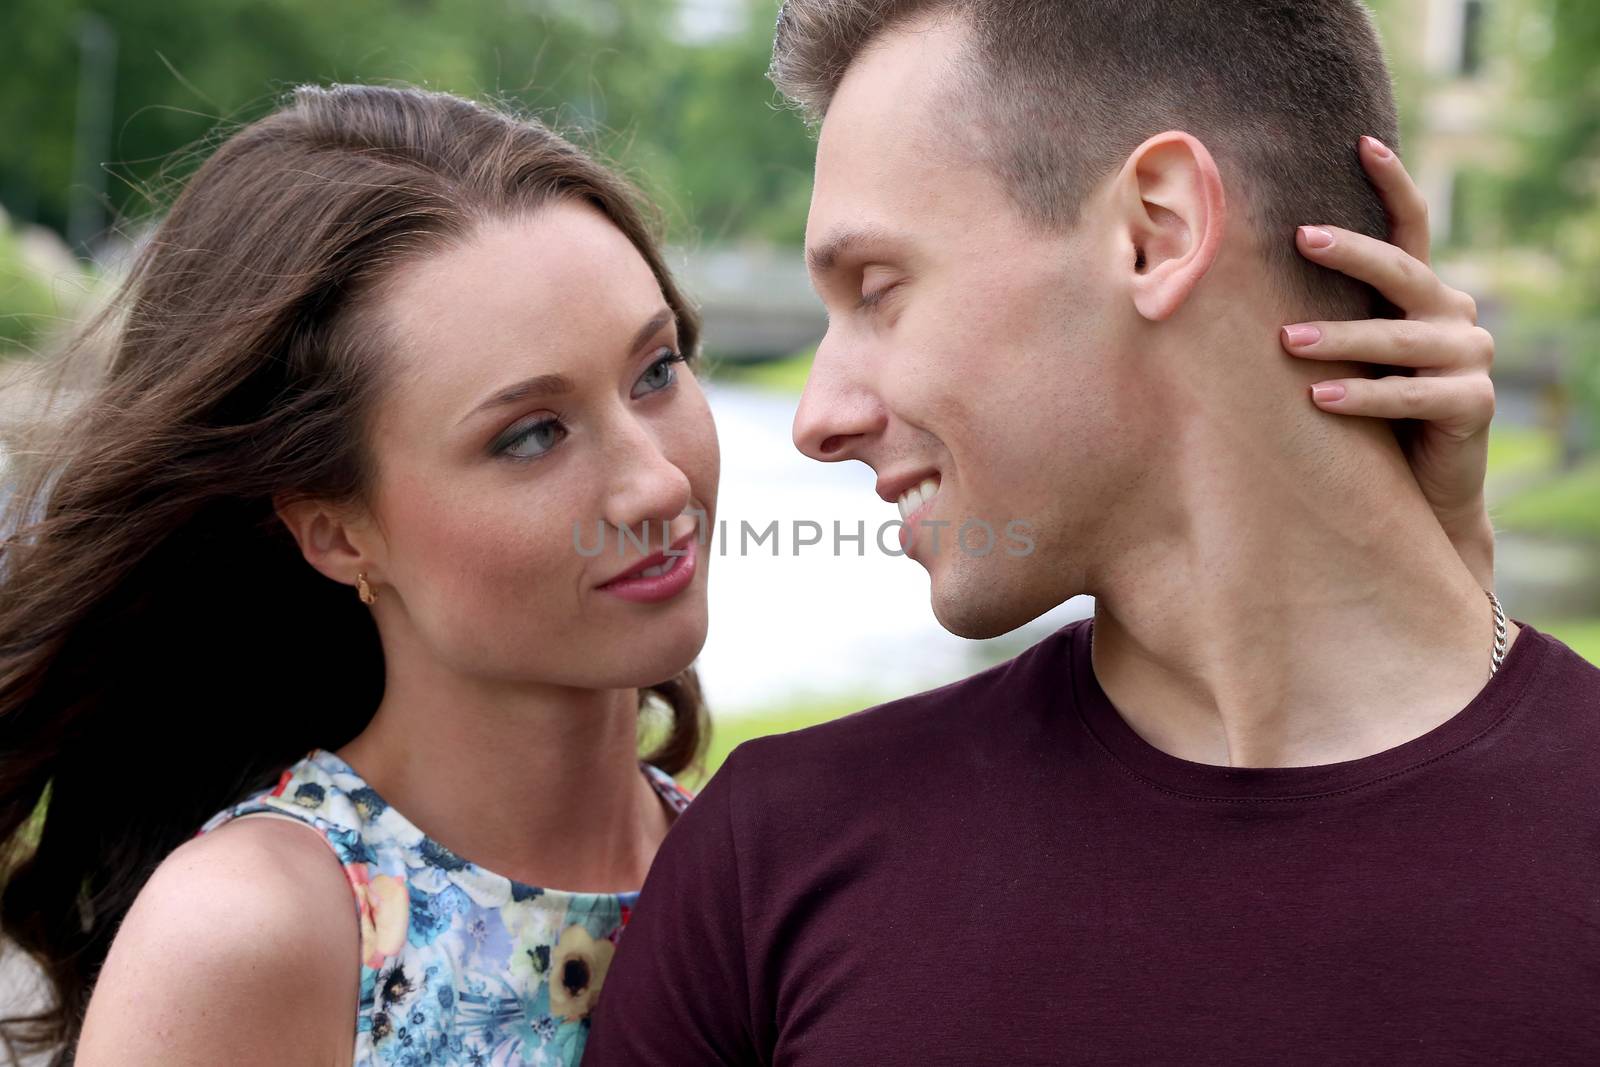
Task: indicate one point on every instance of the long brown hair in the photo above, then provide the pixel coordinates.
(164, 647)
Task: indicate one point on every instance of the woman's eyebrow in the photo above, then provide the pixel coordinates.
(538, 385)
(557, 384)
(650, 329)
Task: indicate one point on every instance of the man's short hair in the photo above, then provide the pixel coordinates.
(1062, 91)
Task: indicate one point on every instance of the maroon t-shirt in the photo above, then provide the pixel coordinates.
(1001, 871)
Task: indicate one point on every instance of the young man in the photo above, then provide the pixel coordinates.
(1289, 797)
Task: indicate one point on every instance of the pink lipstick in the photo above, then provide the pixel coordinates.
(675, 573)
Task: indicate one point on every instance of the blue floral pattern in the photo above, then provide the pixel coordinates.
(460, 967)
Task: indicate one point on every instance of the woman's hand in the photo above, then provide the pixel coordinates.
(1450, 354)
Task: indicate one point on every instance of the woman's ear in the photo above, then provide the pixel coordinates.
(330, 539)
(1170, 193)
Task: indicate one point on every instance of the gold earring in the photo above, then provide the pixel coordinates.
(363, 590)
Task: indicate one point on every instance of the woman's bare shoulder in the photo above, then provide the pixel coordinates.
(242, 948)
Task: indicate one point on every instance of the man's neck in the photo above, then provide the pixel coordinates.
(1281, 609)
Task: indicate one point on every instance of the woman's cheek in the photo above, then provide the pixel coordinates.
(697, 443)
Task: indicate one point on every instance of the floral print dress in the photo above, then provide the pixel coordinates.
(460, 966)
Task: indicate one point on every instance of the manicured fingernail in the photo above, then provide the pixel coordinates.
(1379, 149)
(1316, 236)
(1298, 336)
(1327, 392)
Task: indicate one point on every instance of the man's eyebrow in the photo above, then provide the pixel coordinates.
(557, 384)
(822, 258)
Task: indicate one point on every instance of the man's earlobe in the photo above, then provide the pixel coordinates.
(1171, 192)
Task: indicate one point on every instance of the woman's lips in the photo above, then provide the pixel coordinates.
(646, 589)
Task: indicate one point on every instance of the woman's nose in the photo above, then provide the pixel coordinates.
(648, 490)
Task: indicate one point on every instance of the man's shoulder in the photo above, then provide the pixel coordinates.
(1560, 683)
(1559, 673)
(911, 734)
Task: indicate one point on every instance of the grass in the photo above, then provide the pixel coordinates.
(1581, 635)
(1519, 452)
(728, 733)
(786, 375)
(1534, 496)
(1559, 506)
(1565, 506)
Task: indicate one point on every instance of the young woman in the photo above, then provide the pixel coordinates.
(299, 654)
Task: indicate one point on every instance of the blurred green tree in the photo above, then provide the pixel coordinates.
(1558, 56)
(1550, 198)
(131, 85)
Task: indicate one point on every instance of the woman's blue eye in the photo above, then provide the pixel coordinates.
(541, 437)
(660, 375)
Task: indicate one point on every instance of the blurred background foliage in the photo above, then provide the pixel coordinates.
(106, 103)
(686, 108)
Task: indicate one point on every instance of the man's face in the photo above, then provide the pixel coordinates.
(970, 357)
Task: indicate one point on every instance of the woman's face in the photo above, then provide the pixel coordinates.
(539, 400)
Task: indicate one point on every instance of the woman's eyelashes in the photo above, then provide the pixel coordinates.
(533, 439)
(661, 374)
(539, 436)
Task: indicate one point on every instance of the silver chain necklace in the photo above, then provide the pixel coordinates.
(1500, 636)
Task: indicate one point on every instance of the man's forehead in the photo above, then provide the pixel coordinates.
(904, 86)
(897, 121)
(880, 182)
(872, 199)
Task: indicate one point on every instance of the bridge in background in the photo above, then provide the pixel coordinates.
(756, 300)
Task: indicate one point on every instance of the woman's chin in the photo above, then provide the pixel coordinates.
(659, 658)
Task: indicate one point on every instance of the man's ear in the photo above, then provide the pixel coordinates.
(1170, 194)
(331, 539)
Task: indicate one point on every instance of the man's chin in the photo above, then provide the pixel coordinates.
(979, 614)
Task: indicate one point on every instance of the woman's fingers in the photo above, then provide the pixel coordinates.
(1460, 407)
(1436, 347)
(1450, 395)
(1406, 281)
(1408, 211)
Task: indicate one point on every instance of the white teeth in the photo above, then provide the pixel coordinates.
(917, 495)
(657, 571)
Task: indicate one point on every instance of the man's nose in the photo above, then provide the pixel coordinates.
(839, 408)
